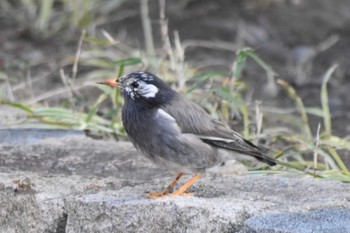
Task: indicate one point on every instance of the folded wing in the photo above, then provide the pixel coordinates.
(213, 132)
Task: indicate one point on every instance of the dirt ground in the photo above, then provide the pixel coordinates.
(299, 39)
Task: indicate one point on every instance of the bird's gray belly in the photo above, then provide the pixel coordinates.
(186, 154)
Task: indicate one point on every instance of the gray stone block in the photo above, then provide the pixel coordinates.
(77, 184)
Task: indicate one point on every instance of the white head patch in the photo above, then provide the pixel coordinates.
(143, 89)
(145, 76)
(146, 90)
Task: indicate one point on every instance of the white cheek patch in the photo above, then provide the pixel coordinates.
(148, 90)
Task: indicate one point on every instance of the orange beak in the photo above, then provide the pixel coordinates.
(110, 82)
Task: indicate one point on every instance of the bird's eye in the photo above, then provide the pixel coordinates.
(134, 84)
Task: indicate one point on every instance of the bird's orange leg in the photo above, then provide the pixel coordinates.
(167, 189)
(183, 188)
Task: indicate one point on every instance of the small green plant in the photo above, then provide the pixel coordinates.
(321, 148)
(238, 66)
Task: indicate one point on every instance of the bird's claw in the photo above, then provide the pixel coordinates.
(182, 194)
(155, 195)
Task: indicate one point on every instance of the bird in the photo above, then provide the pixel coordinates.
(176, 133)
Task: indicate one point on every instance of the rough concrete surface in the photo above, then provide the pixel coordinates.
(78, 184)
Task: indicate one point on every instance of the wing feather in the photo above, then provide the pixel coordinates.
(191, 118)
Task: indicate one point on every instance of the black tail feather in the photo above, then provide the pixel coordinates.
(266, 159)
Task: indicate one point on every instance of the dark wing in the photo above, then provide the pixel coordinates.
(191, 118)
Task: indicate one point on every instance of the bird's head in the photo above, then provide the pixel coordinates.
(142, 87)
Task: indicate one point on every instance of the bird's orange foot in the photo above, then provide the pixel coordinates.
(167, 190)
(155, 195)
(182, 194)
(179, 192)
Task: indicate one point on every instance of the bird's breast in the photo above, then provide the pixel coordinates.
(149, 129)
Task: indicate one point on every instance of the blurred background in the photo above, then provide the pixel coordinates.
(275, 70)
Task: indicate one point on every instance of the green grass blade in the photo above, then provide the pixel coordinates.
(240, 62)
(299, 105)
(18, 106)
(246, 122)
(324, 100)
(316, 111)
(298, 167)
(45, 13)
(117, 95)
(202, 78)
(121, 70)
(339, 161)
(335, 142)
(94, 108)
(251, 53)
(238, 65)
